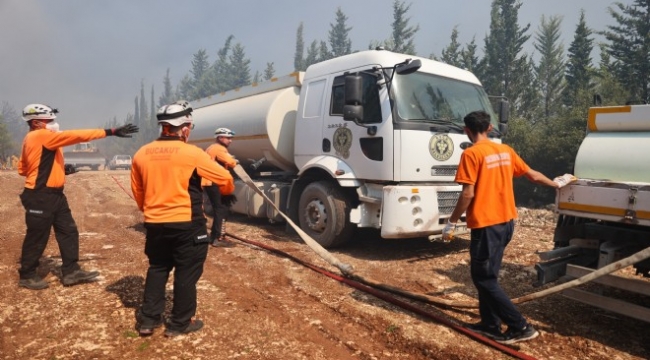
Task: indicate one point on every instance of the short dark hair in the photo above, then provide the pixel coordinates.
(477, 121)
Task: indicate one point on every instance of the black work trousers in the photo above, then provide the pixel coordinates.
(219, 211)
(46, 209)
(486, 252)
(183, 250)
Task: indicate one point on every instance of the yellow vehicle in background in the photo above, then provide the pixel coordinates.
(84, 155)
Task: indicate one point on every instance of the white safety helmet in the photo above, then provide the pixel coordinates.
(39, 112)
(225, 132)
(175, 114)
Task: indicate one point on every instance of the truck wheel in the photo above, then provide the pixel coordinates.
(324, 214)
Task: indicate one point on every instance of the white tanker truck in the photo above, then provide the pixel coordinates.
(605, 215)
(371, 139)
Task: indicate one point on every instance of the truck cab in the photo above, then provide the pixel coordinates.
(399, 153)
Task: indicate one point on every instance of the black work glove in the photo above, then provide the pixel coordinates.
(69, 169)
(123, 131)
(228, 200)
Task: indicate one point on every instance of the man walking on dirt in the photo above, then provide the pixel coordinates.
(166, 182)
(220, 203)
(46, 207)
(486, 170)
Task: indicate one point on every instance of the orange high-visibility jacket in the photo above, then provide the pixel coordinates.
(41, 160)
(166, 180)
(220, 154)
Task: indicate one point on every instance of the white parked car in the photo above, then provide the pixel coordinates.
(120, 162)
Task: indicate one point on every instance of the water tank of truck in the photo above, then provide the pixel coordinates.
(616, 144)
(262, 116)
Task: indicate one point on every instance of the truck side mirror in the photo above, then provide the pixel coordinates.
(408, 68)
(353, 112)
(503, 128)
(353, 90)
(504, 111)
(353, 109)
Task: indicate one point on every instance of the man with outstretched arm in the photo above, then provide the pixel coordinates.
(46, 207)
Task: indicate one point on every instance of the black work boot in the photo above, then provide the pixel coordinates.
(33, 283)
(195, 325)
(221, 242)
(79, 276)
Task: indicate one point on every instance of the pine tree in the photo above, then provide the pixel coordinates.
(167, 97)
(143, 105)
(312, 54)
(629, 45)
(298, 60)
(323, 52)
(256, 77)
(184, 89)
(136, 116)
(222, 68)
(402, 36)
(240, 73)
(549, 72)
(200, 65)
(15, 125)
(452, 54)
(502, 66)
(202, 79)
(469, 59)
(608, 86)
(149, 131)
(339, 35)
(152, 113)
(579, 67)
(269, 72)
(6, 141)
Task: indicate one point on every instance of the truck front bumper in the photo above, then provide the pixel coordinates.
(410, 211)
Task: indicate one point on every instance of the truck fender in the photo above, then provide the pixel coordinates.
(333, 166)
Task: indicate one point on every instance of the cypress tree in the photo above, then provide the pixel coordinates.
(339, 35)
(298, 60)
(579, 67)
(549, 71)
(402, 36)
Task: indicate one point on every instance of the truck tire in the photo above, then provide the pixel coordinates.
(324, 214)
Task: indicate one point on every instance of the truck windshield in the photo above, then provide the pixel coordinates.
(428, 98)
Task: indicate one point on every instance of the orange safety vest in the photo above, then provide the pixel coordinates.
(221, 155)
(166, 180)
(41, 160)
(490, 167)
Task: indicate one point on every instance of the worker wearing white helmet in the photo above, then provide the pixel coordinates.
(46, 207)
(220, 202)
(166, 183)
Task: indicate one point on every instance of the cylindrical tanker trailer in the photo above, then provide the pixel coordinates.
(371, 139)
(605, 215)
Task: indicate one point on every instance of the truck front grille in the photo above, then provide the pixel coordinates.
(447, 201)
(444, 170)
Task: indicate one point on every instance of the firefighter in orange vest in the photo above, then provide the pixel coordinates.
(220, 202)
(166, 182)
(46, 207)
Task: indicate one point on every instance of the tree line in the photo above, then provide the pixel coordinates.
(550, 90)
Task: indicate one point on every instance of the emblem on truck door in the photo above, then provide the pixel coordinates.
(441, 147)
(342, 140)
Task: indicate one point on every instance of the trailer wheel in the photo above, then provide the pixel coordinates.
(324, 214)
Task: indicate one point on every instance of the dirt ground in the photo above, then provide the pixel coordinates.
(260, 305)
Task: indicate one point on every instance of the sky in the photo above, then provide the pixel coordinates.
(88, 58)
